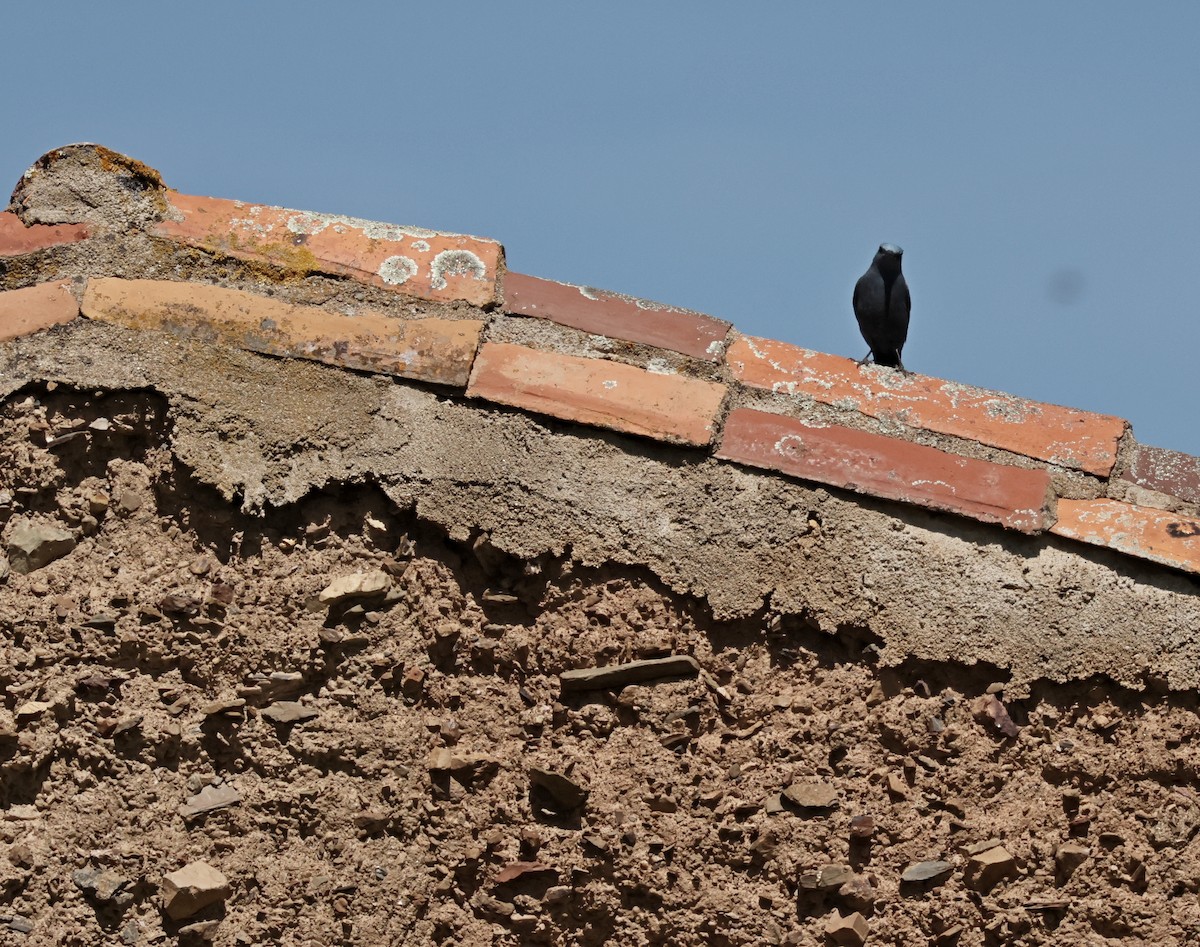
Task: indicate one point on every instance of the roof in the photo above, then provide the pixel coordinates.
(590, 357)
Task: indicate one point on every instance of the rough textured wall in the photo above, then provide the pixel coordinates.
(297, 654)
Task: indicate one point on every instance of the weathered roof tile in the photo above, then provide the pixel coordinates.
(616, 316)
(433, 350)
(1169, 538)
(1166, 471)
(1061, 436)
(29, 310)
(417, 262)
(888, 467)
(597, 391)
(16, 238)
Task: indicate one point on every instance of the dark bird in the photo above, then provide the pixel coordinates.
(882, 305)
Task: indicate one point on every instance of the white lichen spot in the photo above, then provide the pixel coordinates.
(397, 269)
(1014, 412)
(716, 347)
(421, 246)
(610, 384)
(659, 366)
(408, 356)
(588, 293)
(783, 387)
(456, 263)
(789, 444)
(936, 483)
(250, 226)
(310, 224)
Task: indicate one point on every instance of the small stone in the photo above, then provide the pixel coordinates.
(19, 924)
(413, 683)
(896, 786)
(193, 888)
(493, 906)
(32, 546)
(557, 894)
(229, 706)
(826, 878)
(179, 603)
(990, 708)
(850, 930)
(858, 892)
(522, 870)
(355, 586)
(289, 712)
(127, 723)
(988, 868)
(811, 795)
(862, 827)
(31, 709)
(976, 847)
(372, 820)
(129, 502)
(201, 930)
(99, 885)
(461, 766)
(926, 871)
(1068, 857)
(675, 742)
(634, 672)
(210, 799)
(563, 793)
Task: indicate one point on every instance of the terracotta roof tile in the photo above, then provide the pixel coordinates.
(1061, 436)
(413, 261)
(616, 316)
(28, 310)
(1166, 471)
(888, 467)
(597, 391)
(1169, 538)
(16, 238)
(433, 350)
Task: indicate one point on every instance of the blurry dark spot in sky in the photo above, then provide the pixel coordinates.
(1066, 285)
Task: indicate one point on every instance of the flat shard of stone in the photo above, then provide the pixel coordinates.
(564, 791)
(635, 672)
(209, 799)
(192, 888)
(926, 871)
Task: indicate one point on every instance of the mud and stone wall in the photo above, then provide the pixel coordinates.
(300, 655)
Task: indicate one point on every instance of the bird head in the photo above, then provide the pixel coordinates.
(887, 260)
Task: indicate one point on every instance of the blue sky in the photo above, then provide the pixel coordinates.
(1038, 162)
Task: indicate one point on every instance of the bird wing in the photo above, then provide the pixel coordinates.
(906, 301)
(862, 290)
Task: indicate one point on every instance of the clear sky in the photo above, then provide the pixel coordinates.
(1039, 162)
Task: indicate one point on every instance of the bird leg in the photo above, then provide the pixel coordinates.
(866, 358)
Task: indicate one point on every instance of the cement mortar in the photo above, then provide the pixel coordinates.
(927, 587)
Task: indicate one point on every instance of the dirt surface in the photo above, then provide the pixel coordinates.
(399, 759)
